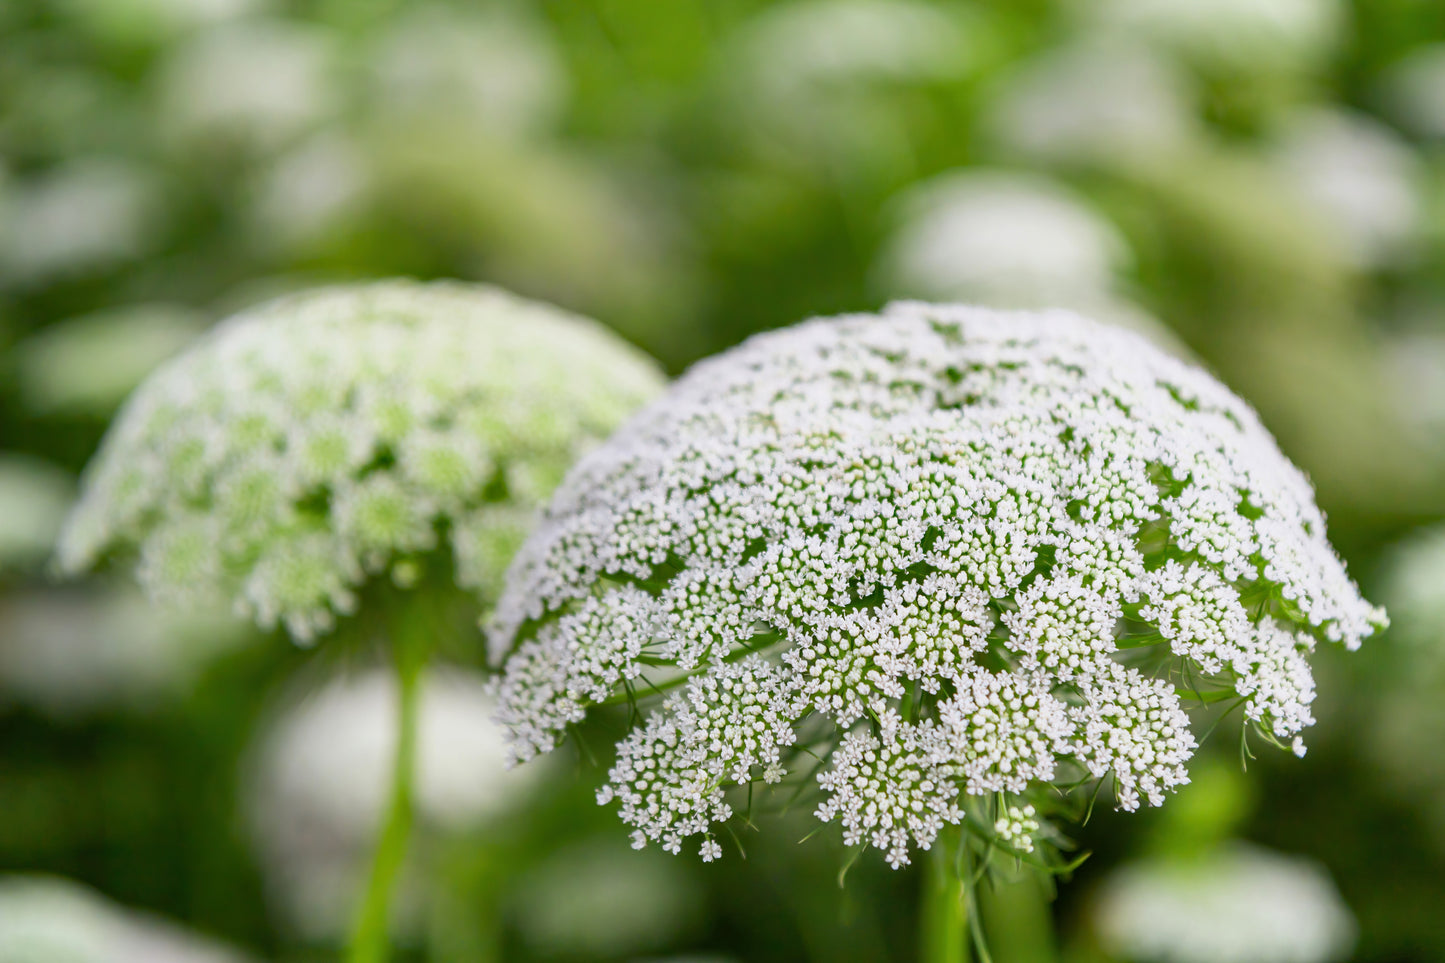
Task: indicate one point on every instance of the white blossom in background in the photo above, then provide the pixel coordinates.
(88, 214)
(499, 72)
(1239, 904)
(1413, 91)
(34, 497)
(592, 899)
(312, 442)
(1008, 239)
(309, 191)
(998, 237)
(143, 22)
(1414, 584)
(1250, 36)
(87, 365)
(1361, 176)
(253, 85)
(1415, 362)
(1403, 736)
(47, 919)
(77, 651)
(790, 49)
(1096, 100)
(322, 771)
(840, 86)
(962, 554)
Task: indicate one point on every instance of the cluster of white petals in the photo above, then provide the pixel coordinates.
(1017, 826)
(318, 439)
(953, 552)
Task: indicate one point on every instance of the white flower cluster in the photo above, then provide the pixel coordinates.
(1407, 722)
(1361, 177)
(821, 43)
(74, 652)
(592, 898)
(325, 436)
(1017, 826)
(1231, 36)
(1414, 587)
(1241, 904)
(88, 365)
(1098, 99)
(955, 552)
(1000, 238)
(1410, 91)
(51, 919)
(86, 215)
(670, 773)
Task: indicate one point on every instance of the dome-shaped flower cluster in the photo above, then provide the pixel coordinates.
(322, 437)
(951, 552)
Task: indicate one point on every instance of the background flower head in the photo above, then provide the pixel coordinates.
(328, 436)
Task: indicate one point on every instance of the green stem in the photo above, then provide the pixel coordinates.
(370, 937)
(944, 930)
(1016, 913)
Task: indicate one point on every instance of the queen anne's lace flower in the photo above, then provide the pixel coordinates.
(325, 436)
(960, 554)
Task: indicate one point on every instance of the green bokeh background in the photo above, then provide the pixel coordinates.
(690, 173)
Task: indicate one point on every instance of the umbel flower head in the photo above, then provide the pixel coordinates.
(963, 557)
(309, 443)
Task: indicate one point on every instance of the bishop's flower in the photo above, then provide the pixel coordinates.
(939, 565)
(312, 442)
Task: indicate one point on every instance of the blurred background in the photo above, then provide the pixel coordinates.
(1256, 184)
